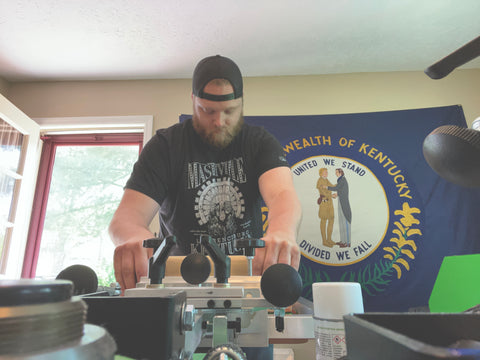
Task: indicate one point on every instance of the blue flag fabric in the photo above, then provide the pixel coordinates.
(374, 212)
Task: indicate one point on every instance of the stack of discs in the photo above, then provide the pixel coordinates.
(36, 316)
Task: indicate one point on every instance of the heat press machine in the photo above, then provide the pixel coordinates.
(174, 317)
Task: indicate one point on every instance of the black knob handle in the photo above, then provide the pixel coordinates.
(281, 285)
(195, 269)
(249, 245)
(279, 323)
(235, 324)
(153, 243)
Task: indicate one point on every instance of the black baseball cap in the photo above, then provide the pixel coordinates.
(217, 67)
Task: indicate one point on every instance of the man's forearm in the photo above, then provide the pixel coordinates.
(132, 218)
(122, 231)
(284, 215)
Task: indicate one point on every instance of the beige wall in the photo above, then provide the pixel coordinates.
(287, 95)
(4, 87)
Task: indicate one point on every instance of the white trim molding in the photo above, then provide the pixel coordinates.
(82, 124)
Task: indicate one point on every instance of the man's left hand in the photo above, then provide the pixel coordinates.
(278, 249)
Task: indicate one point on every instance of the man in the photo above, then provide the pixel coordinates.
(344, 211)
(206, 176)
(325, 208)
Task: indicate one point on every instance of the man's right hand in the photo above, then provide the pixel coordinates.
(128, 229)
(131, 263)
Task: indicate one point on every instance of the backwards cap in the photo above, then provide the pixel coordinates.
(217, 67)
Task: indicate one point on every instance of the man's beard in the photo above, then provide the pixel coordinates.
(219, 138)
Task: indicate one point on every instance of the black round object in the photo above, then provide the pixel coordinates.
(84, 279)
(453, 153)
(195, 268)
(281, 285)
(33, 292)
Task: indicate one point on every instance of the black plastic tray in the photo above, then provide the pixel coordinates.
(413, 336)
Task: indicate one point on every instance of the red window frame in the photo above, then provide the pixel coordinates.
(44, 178)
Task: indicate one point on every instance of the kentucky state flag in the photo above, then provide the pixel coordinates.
(398, 219)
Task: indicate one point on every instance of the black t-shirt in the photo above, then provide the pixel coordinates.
(205, 191)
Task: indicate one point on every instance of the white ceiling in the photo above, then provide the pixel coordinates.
(157, 39)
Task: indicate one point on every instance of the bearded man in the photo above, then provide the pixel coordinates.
(207, 176)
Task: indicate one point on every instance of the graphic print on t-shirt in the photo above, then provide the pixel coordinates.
(219, 204)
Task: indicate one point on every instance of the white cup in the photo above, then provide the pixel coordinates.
(332, 300)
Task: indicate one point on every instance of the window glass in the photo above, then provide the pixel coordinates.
(11, 141)
(7, 184)
(10, 146)
(86, 187)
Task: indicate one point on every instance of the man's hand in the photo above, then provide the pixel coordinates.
(131, 263)
(284, 215)
(278, 249)
(128, 229)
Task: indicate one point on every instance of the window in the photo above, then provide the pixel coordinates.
(11, 169)
(19, 139)
(79, 186)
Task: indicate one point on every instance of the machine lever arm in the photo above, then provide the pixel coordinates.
(157, 263)
(220, 260)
